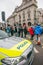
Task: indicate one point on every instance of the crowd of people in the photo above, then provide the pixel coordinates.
(24, 30)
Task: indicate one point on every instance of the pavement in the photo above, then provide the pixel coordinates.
(38, 59)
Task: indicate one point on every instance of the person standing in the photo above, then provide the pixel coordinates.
(12, 31)
(8, 30)
(20, 31)
(24, 29)
(38, 31)
(31, 31)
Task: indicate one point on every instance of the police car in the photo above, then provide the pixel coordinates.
(15, 50)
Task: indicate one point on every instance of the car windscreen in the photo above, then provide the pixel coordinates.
(3, 34)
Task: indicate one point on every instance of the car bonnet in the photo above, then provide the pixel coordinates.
(16, 49)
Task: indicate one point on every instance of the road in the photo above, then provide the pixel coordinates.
(38, 59)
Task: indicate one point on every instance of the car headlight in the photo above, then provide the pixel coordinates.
(12, 61)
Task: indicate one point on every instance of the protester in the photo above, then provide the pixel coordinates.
(20, 31)
(8, 30)
(12, 31)
(1, 28)
(15, 30)
(24, 29)
(31, 31)
(38, 31)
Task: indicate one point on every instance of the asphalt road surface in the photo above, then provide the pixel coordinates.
(38, 59)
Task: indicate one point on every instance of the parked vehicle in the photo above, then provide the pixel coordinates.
(15, 50)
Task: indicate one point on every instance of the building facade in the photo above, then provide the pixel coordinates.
(26, 12)
(11, 20)
(39, 15)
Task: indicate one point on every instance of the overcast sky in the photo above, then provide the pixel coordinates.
(9, 5)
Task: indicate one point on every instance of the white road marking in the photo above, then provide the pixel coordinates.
(36, 51)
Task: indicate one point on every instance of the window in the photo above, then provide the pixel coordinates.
(23, 15)
(28, 12)
(35, 15)
(19, 18)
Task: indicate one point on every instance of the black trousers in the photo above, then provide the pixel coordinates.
(32, 37)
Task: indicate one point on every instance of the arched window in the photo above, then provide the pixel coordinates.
(29, 23)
